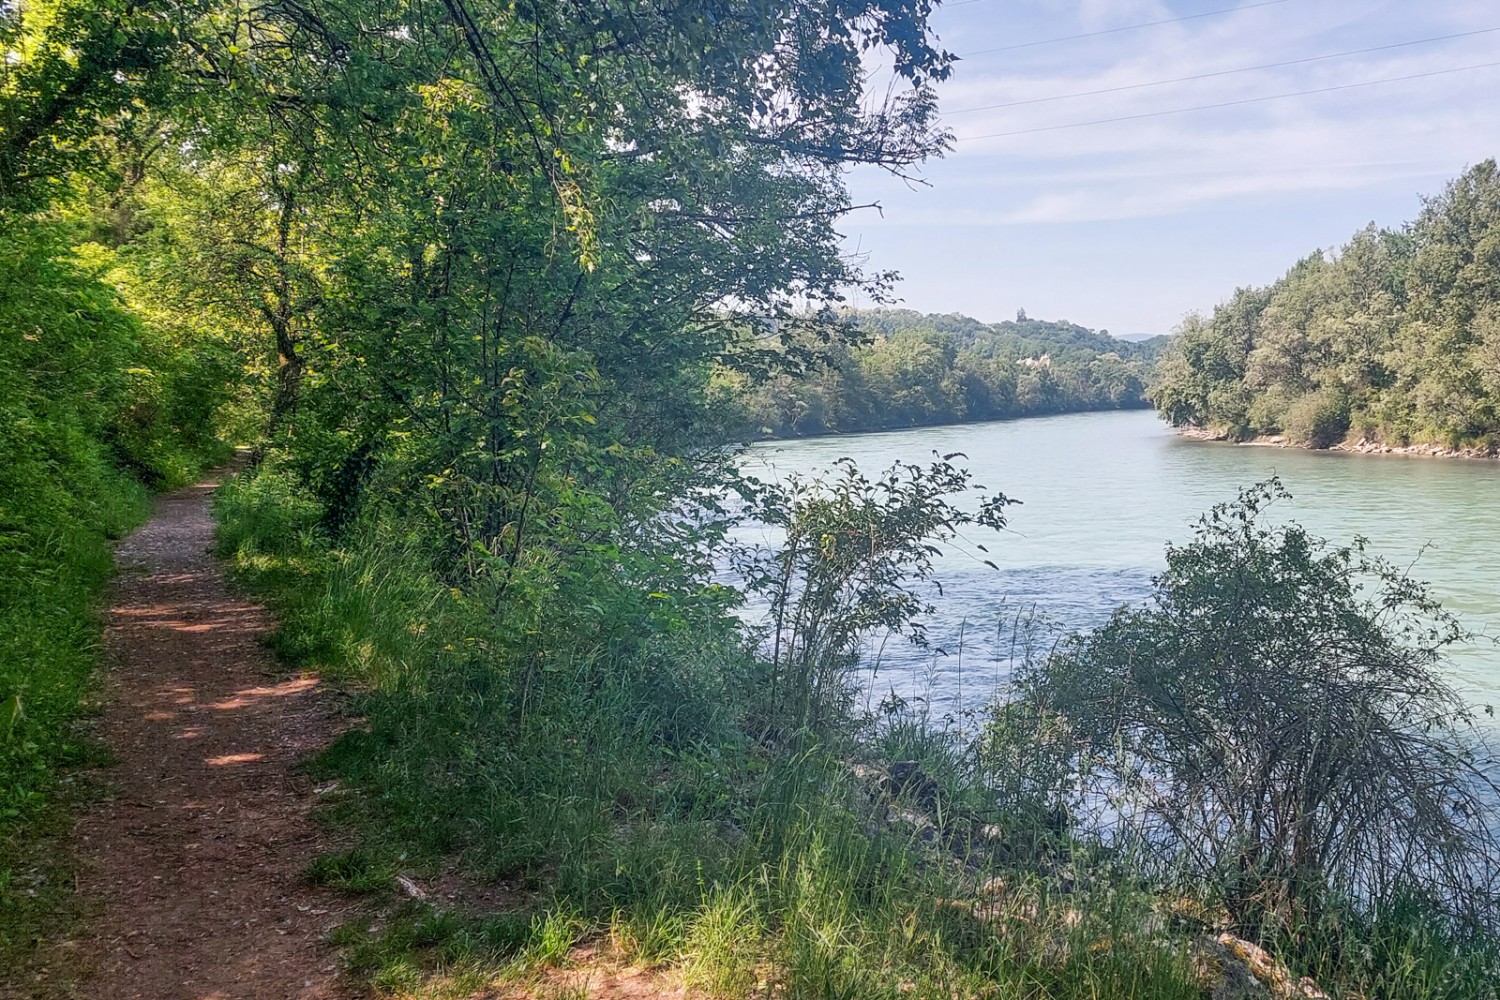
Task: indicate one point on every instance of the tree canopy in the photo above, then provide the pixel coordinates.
(1393, 339)
(458, 270)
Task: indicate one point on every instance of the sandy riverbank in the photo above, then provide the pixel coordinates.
(1361, 446)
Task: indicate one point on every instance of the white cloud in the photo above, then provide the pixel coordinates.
(1367, 135)
(1143, 198)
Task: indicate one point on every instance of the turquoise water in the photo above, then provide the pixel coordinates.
(1101, 495)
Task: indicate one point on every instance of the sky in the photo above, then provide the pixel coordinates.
(1129, 226)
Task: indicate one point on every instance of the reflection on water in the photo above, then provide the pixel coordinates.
(1103, 493)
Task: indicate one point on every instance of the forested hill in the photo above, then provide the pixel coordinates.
(916, 370)
(1393, 340)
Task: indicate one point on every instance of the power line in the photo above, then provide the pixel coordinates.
(1224, 72)
(1229, 104)
(1128, 27)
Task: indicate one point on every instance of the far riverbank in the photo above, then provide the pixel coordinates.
(1363, 446)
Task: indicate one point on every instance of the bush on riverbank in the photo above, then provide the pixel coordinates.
(623, 794)
(1275, 729)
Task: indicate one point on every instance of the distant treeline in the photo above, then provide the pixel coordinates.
(918, 370)
(1394, 339)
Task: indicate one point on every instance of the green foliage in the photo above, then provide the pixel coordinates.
(619, 804)
(572, 672)
(616, 810)
(851, 553)
(87, 398)
(913, 370)
(93, 404)
(1275, 727)
(353, 871)
(1393, 338)
(482, 498)
(66, 67)
(1320, 419)
(485, 282)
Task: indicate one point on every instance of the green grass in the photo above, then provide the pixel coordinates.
(352, 871)
(650, 825)
(52, 574)
(57, 528)
(742, 867)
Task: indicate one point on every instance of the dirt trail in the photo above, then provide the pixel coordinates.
(193, 861)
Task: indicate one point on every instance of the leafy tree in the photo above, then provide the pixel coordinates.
(67, 68)
(477, 259)
(1385, 340)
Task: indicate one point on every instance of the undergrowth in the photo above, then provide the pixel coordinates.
(615, 791)
(86, 428)
(622, 794)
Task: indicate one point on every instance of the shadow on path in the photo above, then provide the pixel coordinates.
(194, 861)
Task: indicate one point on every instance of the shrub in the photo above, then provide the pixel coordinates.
(853, 548)
(265, 511)
(1276, 723)
(1319, 419)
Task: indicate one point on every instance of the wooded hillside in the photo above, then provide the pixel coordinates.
(906, 369)
(1395, 338)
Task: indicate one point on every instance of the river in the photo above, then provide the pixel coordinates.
(1102, 493)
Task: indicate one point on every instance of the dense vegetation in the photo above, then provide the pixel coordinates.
(1393, 340)
(473, 279)
(97, 404)
(906, 369)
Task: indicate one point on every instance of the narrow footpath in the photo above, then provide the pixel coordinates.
(192, 863)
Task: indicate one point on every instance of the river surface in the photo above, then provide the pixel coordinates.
(1102, 493)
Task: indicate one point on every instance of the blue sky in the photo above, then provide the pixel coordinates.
(1131, 225)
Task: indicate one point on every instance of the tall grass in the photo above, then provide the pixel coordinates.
(53, 570)
(590, 777)
(611, 786)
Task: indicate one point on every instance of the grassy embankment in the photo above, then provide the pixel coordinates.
(610, 793)
(622, 801)
(87, 427)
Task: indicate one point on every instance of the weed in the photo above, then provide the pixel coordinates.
(354, 871)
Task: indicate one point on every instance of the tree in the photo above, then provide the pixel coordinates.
(1384, 340)
(498, 248)
(1454, 281)
(916, 370)
(66, 68)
